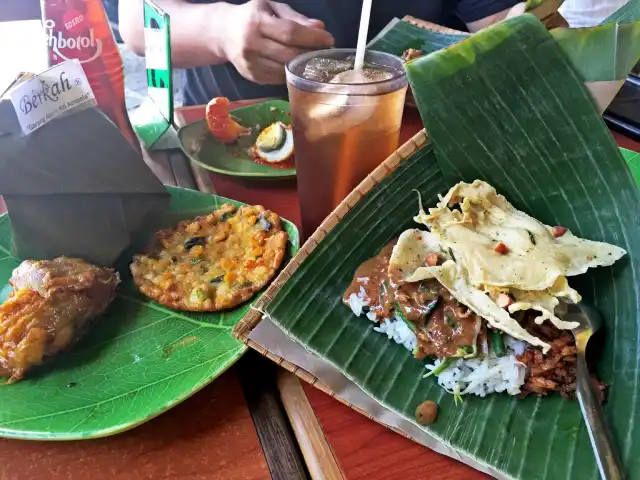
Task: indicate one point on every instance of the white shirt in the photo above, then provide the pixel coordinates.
(588, 13)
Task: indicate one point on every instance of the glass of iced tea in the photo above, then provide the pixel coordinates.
(345, 123)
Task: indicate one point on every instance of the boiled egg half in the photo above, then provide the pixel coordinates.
(274, 144)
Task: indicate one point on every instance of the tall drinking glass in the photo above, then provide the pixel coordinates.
(342, 130)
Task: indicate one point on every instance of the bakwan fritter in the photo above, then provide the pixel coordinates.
(213, 262)
(50, 309)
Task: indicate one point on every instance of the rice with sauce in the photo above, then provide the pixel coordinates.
(482, 275)
(476, 376)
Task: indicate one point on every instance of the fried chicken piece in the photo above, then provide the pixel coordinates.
(50, 309)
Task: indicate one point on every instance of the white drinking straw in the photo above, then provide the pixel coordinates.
(362, 34)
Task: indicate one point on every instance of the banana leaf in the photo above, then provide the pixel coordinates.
(604, 54)
(629, 12)
(633, 159)
(543, 144)
(617, 48)
(507, 95)
(400, 35)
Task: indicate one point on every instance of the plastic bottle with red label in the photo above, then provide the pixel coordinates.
(80, 29)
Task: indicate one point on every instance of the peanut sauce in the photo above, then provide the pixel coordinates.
(442, 325)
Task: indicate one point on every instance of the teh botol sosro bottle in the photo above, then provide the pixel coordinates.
(80, 29)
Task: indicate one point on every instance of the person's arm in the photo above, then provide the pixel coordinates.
(258, 37)
(196, 30)
(478, 14)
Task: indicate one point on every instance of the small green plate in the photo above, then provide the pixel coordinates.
(139, 360)
(206, 151)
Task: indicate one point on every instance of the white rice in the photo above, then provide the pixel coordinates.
(517, 346)
(398, 331)
(481, 376)
(475, 376)
(358, 301)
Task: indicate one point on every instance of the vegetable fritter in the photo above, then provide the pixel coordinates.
(213, 262)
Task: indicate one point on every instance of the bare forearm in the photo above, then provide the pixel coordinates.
(197, 30)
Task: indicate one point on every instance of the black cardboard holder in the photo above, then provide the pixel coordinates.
(75, 187)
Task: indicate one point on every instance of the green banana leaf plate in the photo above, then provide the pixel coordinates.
(544, 146)
(203, 149)
(138, 361)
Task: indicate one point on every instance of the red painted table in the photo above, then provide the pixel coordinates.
(209, 436)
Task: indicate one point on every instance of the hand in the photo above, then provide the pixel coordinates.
(265, 35)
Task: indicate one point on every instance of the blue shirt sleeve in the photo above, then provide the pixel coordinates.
(472, 10)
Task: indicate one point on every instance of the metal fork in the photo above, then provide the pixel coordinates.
(608, 461)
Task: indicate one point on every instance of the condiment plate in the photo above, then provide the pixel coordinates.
(202, 148)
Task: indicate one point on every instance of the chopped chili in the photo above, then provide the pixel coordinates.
(501, 248)
(558, 231)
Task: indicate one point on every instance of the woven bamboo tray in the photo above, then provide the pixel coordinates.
(243, 328)
(431, 26)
